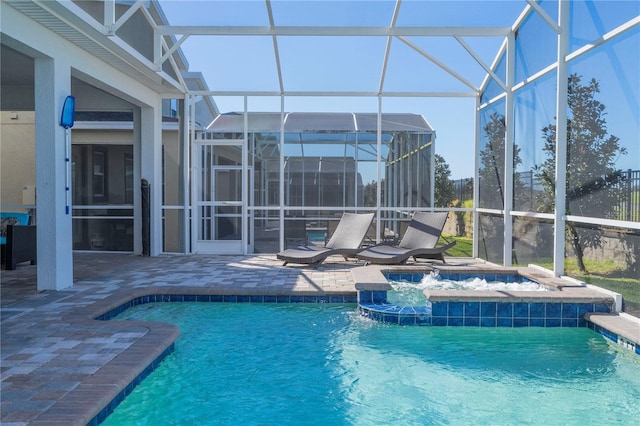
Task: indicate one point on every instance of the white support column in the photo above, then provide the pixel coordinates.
(355, 173)
(244, 180)
(476, 180)
(151, 166)
(55, 237)
(379, 169)
(195, 176)
(281, 173)
(509, 150)
(432, 173)
(137, 190)
(186, 121)
(561, 140)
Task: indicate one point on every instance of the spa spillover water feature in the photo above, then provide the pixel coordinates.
(473, 299)
(407, 292)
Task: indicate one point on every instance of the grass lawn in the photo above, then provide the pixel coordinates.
(463, 247)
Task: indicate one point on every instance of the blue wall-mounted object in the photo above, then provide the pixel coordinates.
(68, 112)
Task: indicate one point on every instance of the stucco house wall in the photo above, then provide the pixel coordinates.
(17, 156)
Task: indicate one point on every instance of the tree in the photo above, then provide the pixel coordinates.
(491, 184)
(370, 194)
(492, 162)
(445, 190)
(592, 180)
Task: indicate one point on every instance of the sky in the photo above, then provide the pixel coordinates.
(334, 64)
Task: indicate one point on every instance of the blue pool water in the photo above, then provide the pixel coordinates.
(323, 364)
(316, 236)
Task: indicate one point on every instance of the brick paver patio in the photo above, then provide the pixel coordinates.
(60, 366)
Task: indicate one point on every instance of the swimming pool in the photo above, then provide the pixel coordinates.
(325, 364)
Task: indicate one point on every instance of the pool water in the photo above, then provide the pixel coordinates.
(319, 364)
(316, 236)
(409, 293)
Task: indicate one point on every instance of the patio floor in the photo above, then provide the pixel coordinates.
(60, 366)
(52, 347)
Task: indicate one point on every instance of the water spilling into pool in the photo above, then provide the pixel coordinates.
(292, 364)
(409, 293)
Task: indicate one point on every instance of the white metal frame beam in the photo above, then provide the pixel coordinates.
(336, 31)
(559, 221)
(110, 24)
(438, 63)
(481, 62)
(276, 51)
(387, 49)
(608, 36)
(507, 244)
(335, 94)
(390, 32)
(544, 15)
(170, 50)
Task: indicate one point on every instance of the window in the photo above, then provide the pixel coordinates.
(128, 178)
(98, 175)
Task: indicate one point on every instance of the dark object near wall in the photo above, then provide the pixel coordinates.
(146, 211)
(20, 246)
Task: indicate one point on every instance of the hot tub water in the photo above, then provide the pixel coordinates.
(406, 293)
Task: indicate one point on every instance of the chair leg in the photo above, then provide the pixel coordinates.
(316, 264)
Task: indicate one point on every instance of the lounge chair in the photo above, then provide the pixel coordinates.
(345, 241)
(419, 241)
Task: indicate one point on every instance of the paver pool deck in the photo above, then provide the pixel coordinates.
(61, 366)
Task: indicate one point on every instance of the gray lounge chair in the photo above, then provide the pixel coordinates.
(419, 241)
(345, 241)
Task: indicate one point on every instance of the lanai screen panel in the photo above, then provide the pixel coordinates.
(313, 122)
(322, 149)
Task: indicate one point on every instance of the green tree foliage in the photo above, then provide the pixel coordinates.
(445, 190)
(370, 193)
(444, 187)
(491, 184)
(592, 180)
(492, 162)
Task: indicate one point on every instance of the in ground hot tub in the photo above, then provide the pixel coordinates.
(476, 299)
(408, 289)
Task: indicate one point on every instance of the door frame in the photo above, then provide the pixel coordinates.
(219, 246)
